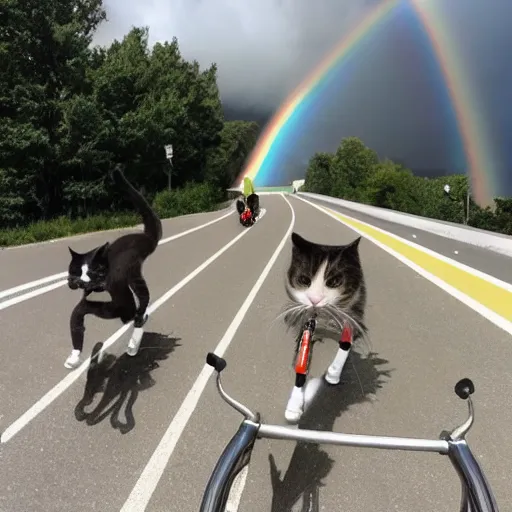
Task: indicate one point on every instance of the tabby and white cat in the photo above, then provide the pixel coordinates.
(116, 268)
(326, 280)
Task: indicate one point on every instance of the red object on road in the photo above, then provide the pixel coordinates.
(246, 217)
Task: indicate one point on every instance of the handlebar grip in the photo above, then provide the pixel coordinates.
(216, 362)
(464, 388)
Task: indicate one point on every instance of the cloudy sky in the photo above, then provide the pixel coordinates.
(392, 98)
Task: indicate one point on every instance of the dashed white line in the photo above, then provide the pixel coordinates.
(148, 480)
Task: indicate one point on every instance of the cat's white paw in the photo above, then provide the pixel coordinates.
(293, 416)
(73, 360)
(333, 375)
(134, 343)
(295, 406)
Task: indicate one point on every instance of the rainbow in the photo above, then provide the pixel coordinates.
(476, 147)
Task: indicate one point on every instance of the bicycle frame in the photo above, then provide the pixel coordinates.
(476, 495)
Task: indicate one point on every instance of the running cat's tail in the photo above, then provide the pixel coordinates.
(152, 224)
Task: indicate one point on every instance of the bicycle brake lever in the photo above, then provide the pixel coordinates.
(218, 363)
(464, 389)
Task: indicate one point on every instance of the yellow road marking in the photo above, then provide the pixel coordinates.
(486, 293)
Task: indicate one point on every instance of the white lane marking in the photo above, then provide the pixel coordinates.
(46, 289)
(237, 489)
(67, 381)
(430, 252)
(197, 228)
(32, 284)
(34, 293)
(150, 476)
(493, 317)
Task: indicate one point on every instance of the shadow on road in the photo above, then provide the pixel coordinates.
(121, 379)
(310, 464)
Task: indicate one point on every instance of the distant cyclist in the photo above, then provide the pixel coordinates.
(249, 206)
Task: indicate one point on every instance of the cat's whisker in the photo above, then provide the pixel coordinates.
(288, 310)
(363, 333)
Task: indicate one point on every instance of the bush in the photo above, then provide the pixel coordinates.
(355, 174)
(192, 198)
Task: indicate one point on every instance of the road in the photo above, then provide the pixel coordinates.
(156, 427)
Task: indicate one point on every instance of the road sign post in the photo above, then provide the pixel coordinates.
(169, 155)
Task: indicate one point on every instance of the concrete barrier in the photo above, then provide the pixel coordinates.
(486, 239)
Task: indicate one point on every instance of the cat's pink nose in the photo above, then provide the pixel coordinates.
(315, 299)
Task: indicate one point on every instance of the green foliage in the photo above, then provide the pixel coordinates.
(354, 173)
(352, 166)
(319, 175)
(192, 198)
(71, 112)
(391, 186)
(64, 226)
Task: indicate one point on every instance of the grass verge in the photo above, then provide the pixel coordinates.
(200, 198)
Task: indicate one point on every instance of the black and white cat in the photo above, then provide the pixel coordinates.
(327, 280)
(116, 268)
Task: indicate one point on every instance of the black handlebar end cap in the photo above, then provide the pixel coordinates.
(216, 362)
(464, 388)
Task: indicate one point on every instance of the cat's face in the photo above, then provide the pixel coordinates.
(88, 271)
(323, 275)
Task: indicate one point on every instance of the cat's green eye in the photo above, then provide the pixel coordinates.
(304, 280)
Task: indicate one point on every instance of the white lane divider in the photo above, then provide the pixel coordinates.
(40, 291)
(148, 480)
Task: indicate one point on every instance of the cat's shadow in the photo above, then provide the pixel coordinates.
(310, 464)
(120, 380)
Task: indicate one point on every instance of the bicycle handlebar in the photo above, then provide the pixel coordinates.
(477, 495)
(463, 389)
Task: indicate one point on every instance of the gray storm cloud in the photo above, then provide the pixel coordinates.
(262, 48)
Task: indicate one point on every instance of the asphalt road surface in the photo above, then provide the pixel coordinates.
(156, 425)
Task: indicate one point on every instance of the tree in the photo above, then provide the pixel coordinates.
(355, 173)
(225, 162)
(352, 166)
(70, 112)
(392, 186)
(319, 174)
(43, 50)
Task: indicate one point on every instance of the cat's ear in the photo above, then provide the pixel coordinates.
(101, 252)
(73, 253)
(352, 248)
(354, 245)
(299, 242)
